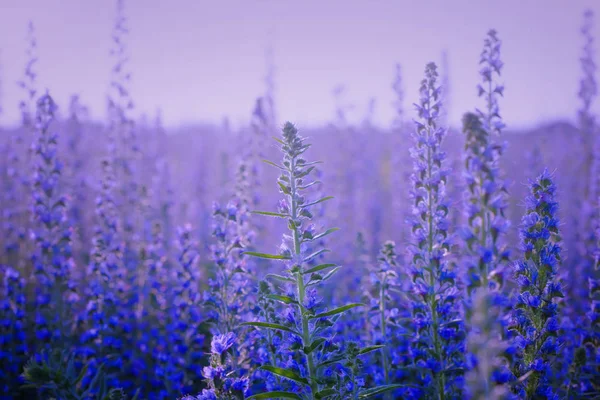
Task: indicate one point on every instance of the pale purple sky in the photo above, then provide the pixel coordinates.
(202, 60)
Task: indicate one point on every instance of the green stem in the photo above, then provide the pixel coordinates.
(383, 327)
(306, 335)
(433, 302)
(485, 218)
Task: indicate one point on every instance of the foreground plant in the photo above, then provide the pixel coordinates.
(55, 375)
(488, 369)
(535, 317)
(220, 376)
(307, 321)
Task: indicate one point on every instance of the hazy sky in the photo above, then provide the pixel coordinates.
(201, 60)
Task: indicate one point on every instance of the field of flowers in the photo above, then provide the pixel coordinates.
(222, 264)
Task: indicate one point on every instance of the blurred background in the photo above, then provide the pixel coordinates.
(203, 61)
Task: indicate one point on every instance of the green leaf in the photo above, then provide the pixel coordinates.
(524, 377)
(330, 273)
(325, 393)
(285, 373)
(303, 187)
(330, 361)
(365, 394)
(274, 165)
(95, 380)
(283, 299)
(338, 310)
(82, 374)
(319, 267)
(275, 395)
(154, 301)
(308, 164)
(270, 214)
(316, 254)
(369, 349)
(271, 326)
(268, 256)
(317, 201)
(280, 277)
(278, 140)
(452, 371)
(327, 232)
(316, 343)
(314, 279)
(304, 173)
(284, 188)
(454, 322)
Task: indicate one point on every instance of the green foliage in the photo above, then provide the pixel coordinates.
(54, 374)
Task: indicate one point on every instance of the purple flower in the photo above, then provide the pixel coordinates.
(222, 343)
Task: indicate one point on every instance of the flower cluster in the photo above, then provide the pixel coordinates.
(13, 334)
(220, 374)
(229, 289)
(486, 204)
(535, 318)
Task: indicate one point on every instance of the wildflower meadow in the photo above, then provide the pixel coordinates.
(420, 261)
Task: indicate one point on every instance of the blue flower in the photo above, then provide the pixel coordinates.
(222, 343)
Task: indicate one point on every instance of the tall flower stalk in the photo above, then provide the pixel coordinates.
(187, 300)
(486, 199)
(120, 105)
(535, 317)
(439, 341)
(489, 89)
(589, 221)
(306, 322)
(16, 185)
(588, 90)
(105, 270)
(383, 317)
(76, 178)
(296, 209)
(52, 258)
(29, 81)
(229, 286)
(399, 160)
